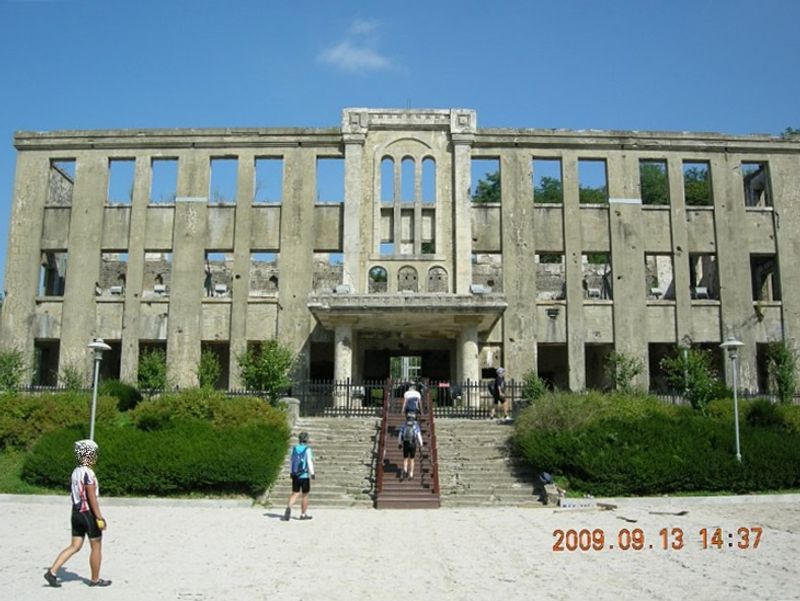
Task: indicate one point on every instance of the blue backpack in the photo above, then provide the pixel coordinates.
(299, 461)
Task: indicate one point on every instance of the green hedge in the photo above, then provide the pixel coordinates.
(24, 418)
(127, 396)
(613, 446)
(190, 456)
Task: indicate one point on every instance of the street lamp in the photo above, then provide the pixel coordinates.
(99, 347)
(731, 347)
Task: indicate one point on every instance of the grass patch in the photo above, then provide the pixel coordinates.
(11, 481)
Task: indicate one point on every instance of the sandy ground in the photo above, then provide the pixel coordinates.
(228, 550)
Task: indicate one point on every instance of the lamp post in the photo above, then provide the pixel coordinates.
(99, 347)
(731, 347)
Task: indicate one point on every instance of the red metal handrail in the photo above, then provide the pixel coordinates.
(382, 439)
(433, 452)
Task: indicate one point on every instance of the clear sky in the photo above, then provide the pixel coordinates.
(729, 66)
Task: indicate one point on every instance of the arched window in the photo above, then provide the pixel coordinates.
(407, 180)
(377, 279)
(387, 180)
(429, 181)
(437, 279)
(407, 279)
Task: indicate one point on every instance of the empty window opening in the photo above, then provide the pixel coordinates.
(659, 279)
(547, 181)
(61, 183)
(697, 184)
(428, 181)
(596, 363)
(330, 181)
(437, 280)
(656, 352)
(406, 369)
(552, 365)
(485, 186)
(428, 246)
(551, 277)
(264, 274)
(765, 278)
(121, 175)
(328, 271)
(45, 362)
(487, 272)
(387, 180)
(597, 282)
(218, 274)
(215, 360)
(592, 181)
(223, 181)
(703, 276)
(407, 180)
(164, 181)
(407, 237)
(53, 273)
(111, 365)
(407, 280)
(756, 185)
(653, 182)
(113, 274)
(269, 181)
(157, 274)
(377, 280)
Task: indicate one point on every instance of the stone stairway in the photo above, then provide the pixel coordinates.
(476, 467)
(344, 461)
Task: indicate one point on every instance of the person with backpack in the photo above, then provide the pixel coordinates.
(497, 388)
(302, 469)
(409, 438)
(412, 400)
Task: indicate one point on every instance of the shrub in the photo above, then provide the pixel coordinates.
(12, 369)
(533, 386)
(24, 418)
(762, 412)
(153, 370)
(622, 371)
(693, 373)
(781, 362)
(73, 378)
(265, 367)
(127, 396)
(192, 456)
(209, 369)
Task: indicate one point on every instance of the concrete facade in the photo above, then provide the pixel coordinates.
(404, 262)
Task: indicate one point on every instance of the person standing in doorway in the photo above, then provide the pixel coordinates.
(302, 466)
(497, 388)
(409, 438)
(87, 520)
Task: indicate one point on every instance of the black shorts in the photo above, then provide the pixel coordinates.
(85, 524)
(409, 450)
(299, 484)
(498, 400)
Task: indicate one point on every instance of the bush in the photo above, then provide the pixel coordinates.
(153, 370)
(622, 371)
(265, 367)
(207, 405)
(762, 412)
(781, 364)
(533, 386)
(209, 369)
(12, 369)
(127, 396)
(25, 418)
(192, 456)
(692, 371)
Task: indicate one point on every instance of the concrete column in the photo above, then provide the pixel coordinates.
(785, 175)
(129, 367)
(241, 266)
(680, 249)
(186, 286)
(24, 254)
(462, 214)
(471, 371)
(353, 212)
(517, 231)
(573, 255)
(343, 359)
(627, 260)
(733, 260)
(78, 322)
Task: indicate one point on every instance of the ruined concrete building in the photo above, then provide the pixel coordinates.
(466, 248)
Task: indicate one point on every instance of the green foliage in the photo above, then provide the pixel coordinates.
(694, 374)
(790, 131)
(207, 405)
(24, 418)
(763, 413)
(73, 378)
(549, 191)
(192, 456)
(633, 446)
(12, 369)
(209, 370)
(533, 386)
(127, 396)
(265, 368)
(153, 370)
(622, 370)
(697, 187)
(488, 190)
(589, 195)
(781, 362)
(653, 178)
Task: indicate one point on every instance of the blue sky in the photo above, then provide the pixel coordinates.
(702, 65)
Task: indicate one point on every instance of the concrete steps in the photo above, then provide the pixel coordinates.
(344, 461)
(476, 466)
